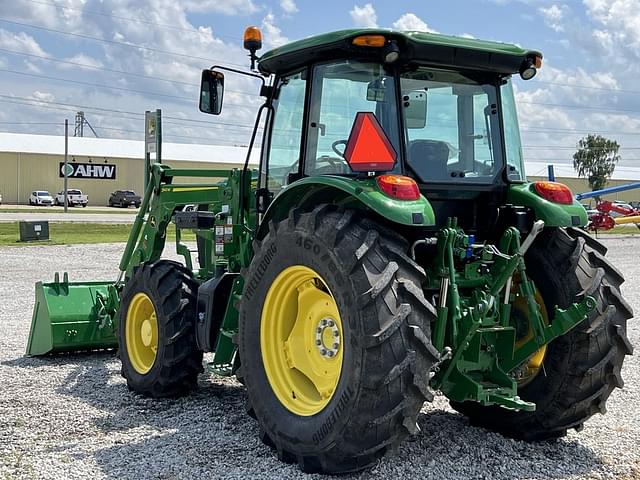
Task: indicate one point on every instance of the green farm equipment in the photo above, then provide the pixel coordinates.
(387, 246)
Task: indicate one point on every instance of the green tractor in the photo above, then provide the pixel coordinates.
(388, 245)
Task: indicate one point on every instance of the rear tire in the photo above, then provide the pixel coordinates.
(581, 368)
(177, 363)
(387, 352)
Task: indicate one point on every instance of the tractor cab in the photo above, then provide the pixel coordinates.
(363, 103)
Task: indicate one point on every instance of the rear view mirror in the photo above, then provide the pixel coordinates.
(211, 92)
(375, 91)
(415, 108)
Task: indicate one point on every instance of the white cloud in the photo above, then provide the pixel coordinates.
(227, 7)
(364, 16)
(288, 6)
(272, 33)
(20, 42)
(32, 67)
(554, 15)
(46, 96)
(410, 21)
(81, 59)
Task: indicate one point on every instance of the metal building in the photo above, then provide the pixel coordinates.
(98, 166)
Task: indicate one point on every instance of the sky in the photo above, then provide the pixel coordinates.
(114, 59)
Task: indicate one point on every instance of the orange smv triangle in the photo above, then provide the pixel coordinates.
(368, 148)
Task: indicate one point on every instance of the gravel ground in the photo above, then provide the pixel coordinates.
(72, 416)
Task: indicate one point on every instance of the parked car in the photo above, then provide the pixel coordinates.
(75, 197)
(124, 198)
(40, 197)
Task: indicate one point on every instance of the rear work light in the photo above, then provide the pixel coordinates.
(554, 192)
(399, 187)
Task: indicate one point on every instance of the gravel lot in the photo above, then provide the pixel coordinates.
(73, 417)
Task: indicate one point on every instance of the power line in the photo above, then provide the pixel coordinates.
(604, 89)
(112, 70)
(580, 107)
(100, 110)
(565, 131)
(91, 84)
(115, 42)
(128, 19)
(32, 123)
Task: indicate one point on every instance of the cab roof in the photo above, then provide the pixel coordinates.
(417, 47)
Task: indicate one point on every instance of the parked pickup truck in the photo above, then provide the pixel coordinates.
(124, 198)
(74, 198)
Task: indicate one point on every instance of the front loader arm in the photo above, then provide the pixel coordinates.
(163, 198)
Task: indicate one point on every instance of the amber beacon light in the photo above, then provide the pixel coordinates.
(252, 40)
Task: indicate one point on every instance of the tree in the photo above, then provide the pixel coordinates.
(596, 160)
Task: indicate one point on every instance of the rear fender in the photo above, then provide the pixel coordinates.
(348, 192)
(553, 214)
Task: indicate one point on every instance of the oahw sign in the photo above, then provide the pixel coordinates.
(88, 170)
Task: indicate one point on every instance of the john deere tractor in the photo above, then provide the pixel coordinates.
(388, 245)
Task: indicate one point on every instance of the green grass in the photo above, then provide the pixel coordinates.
(79, 233)
(122, 211)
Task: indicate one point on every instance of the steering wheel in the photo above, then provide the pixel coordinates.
(336, 165)
(334, 147)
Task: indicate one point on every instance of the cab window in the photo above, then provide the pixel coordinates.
(286, 135)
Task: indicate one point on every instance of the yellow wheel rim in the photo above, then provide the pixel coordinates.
(141, 333)
(528, 371)
(301, 340)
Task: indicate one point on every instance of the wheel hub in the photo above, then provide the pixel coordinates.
(327, 337)
(145, 332)
(300, 339)
(141, 333)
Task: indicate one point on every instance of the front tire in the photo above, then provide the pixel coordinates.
(581, 368)
(156, 330)
(384, 340)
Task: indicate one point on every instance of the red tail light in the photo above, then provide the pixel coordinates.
(554, 192)
(399, 187)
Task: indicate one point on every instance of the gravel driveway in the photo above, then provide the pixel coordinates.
(73, 417)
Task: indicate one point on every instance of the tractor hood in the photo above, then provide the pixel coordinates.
(433, 49)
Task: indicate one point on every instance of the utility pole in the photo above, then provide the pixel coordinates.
(66, 162)
(152, 141)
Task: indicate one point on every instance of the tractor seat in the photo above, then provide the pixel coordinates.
(428, 158)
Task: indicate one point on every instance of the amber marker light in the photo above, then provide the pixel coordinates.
(554, 192)
(398, 187)
(369, 41)
(537, 62)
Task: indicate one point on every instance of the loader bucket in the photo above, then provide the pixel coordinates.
(70, 317)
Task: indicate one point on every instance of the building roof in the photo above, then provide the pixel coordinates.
(111, 148)
(116, 148)
(565, 170)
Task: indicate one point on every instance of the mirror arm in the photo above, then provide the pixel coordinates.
(241, 72)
